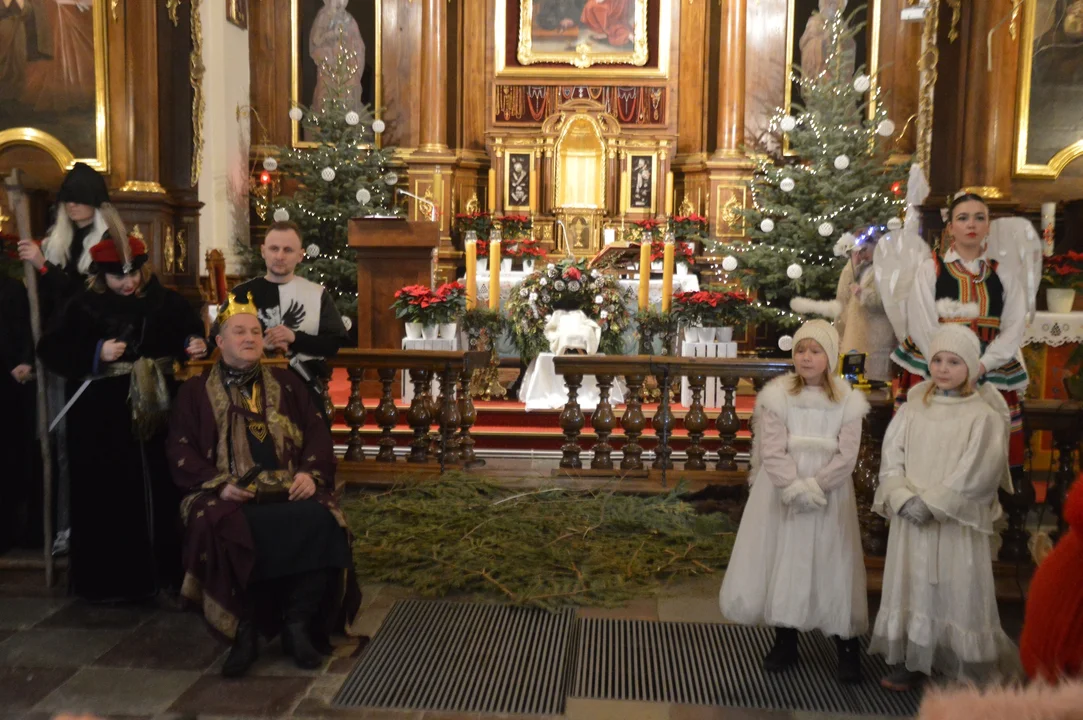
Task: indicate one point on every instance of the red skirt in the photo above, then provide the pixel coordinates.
(1016, 443)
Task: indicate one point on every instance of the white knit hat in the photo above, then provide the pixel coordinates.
(960, 340)
(825, 335)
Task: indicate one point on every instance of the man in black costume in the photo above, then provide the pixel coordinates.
(17, 415)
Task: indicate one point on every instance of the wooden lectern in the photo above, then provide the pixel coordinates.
(391, 253)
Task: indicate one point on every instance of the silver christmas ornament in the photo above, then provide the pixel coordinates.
(352, 118)
(729, 263)
(328, 174)
(767, 225)
(787, 123)
(296, 114)
(862, 83)
(795, 271)
(825, 229)
(378, 126)
(313, 250)
(842, 162)
(894, 224)
(391, 178)
(886, 128)
(787, 185)
(270, 164)
(785, 343)
(363, 196)
(281, 215)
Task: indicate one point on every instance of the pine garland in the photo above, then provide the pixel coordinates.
(545, 548)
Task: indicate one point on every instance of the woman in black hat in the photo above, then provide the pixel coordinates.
(122, 333)
(84, 217)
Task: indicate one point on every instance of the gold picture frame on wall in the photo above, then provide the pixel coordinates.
(367, 17)
(799, 12)
(641, 190)
(541, 43)
(1059, 33)
(63, 117)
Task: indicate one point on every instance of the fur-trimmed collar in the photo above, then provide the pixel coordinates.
(953, 309)
(776, 397)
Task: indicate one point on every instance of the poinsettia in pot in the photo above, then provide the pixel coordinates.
(1062, 275)
(734, 309)
(513, 229)
(412, 304)
(529, 251)
(448, 309)
(683, 255)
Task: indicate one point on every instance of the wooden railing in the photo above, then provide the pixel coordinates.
(452, 411)
(668, 371)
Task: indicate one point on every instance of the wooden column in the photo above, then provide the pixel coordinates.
(731, 80)
(989, 110)
(141, 91)
(433, 136)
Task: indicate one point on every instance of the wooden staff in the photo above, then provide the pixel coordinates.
(17, 201)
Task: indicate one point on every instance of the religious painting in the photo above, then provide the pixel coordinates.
(1050, 101)
(237, 13)
(517, 169)
(54, 79)
(583, 38)
(729, 204)
(808, 43)
(326, 32)
(641, 183)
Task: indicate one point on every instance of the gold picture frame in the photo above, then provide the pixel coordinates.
(56, 147)
(237, 13)
(1051, 169)
(731, 199)
(641, 191)
(582, 64)
(295, 70)
(872, 57)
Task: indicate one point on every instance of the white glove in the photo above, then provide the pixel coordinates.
(804, 495)
(916, 511)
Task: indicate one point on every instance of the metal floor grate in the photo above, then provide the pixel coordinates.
(465, 657)
(705, 664)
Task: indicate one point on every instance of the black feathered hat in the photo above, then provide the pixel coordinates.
(83, 184)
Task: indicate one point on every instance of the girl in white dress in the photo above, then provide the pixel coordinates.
(945, 455)
(797, 563)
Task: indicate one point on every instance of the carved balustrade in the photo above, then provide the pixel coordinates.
(452, 411)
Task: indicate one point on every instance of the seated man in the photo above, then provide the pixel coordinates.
(253, 453)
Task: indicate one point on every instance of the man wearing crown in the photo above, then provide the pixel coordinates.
(266, 547)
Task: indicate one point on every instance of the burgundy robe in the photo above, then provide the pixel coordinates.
(219, 554)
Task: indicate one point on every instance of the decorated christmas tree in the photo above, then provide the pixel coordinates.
(808, 208)
(345, 175)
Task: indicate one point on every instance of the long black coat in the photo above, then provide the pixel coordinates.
(121, 493)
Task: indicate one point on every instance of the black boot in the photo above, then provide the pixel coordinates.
(783, 653)
(302, 604)
(244, 651)
(849, 670)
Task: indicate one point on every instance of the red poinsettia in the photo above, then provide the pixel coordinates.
(1063, 271)
(572, 273)
(682, 252)
(712, 308)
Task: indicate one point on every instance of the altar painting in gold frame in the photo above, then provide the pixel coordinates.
(57, 98)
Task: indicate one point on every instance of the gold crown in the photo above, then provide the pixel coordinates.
(236, 306)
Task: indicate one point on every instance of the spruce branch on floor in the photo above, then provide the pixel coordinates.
(547, 548)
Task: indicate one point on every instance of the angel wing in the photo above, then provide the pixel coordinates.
(895, 263)
(995, 400)
(1017, 248)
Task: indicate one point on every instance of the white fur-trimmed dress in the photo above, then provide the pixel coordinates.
(788, 568)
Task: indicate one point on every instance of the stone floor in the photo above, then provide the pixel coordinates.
(60, 655)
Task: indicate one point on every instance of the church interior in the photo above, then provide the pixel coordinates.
(556, 260)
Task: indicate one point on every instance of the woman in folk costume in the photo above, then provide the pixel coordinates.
(987, 280)
(119, 338)
(1051, 645)
(945, 455)
(797, 563)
